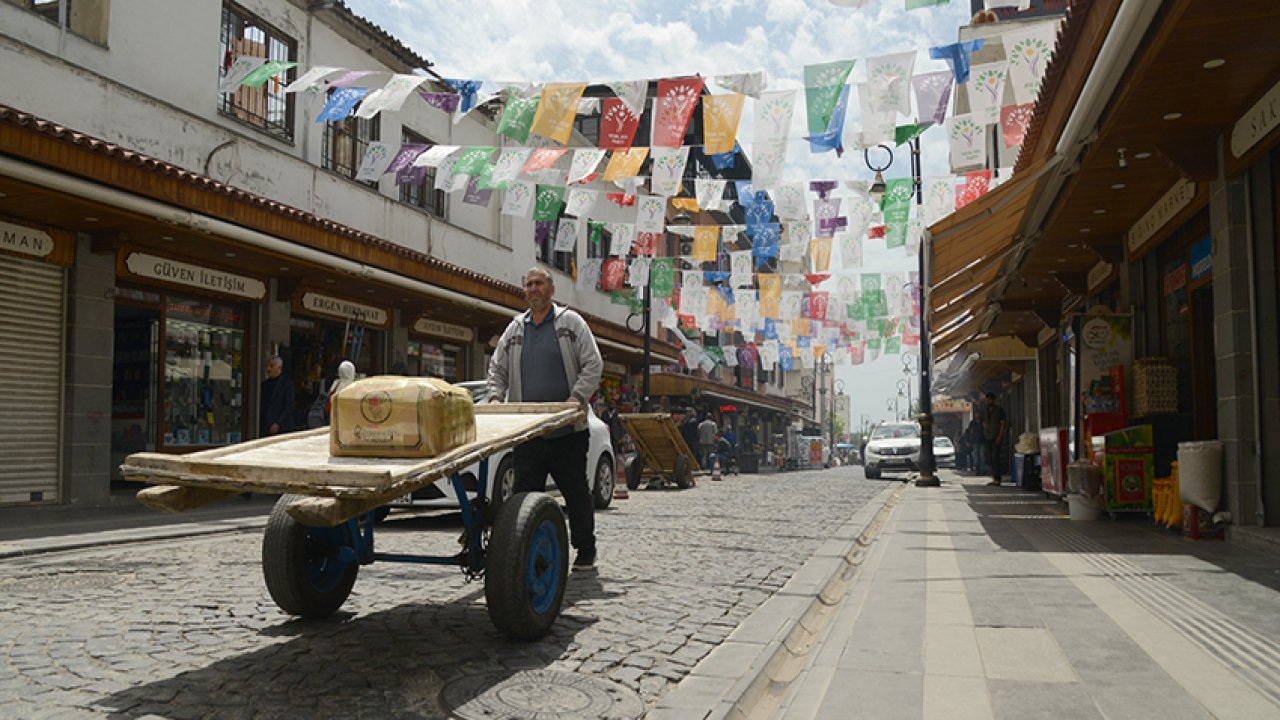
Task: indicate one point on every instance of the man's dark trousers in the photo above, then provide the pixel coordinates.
(993, 457)
(565, 459)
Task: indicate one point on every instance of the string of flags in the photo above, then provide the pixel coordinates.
(759, 288)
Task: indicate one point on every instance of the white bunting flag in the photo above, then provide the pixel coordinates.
(518, 199)
(240, 68)
(638, 274)
(986, 91)
(710, 193)
(740, 270)
(390, 97)
(509, 164)
(889, 80)
(730, 355)
(651, 214)
(968, 141)
(668, 169)
(797, 233)
(877, 127)
(584, 164)
(567, 235)
(769, 353)
(623, 236)
(850, 251)
(789, 202)
(939, 197)
(1029, 52)
(580, 202)
(632, 93)
(444, 173)
(377, 156)
(589, 274)
(435, 155)
(773, 115)
(751, 84)
(310, 79)
(768, 162)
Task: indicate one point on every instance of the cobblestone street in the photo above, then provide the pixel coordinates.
(185, 629)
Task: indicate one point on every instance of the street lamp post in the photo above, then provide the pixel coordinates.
(838, 386)
(646, 318)
(928, 468)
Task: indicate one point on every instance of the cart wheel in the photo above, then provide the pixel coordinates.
(683, 474)
(528, 563)
(632, 467)
(602, 491)
(309, 570)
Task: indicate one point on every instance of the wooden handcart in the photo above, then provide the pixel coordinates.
(321, 529)
(663, 456)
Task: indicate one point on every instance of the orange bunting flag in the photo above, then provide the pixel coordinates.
(770, 294)
(820, 251)
(686, 204)
(800, 327)
(625, 163)
(557, 109)
(720, 115)
(706, 241)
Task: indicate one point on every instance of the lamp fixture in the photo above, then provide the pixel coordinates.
(1141, 155)
(1119, 186)
(91, 219)
(1100, 211)
(229, 254)
(284, 269)
(1173, 116)
(1086, 230)
(1072, 246)
(1123, 163)
(1213, 64)
(166, 237)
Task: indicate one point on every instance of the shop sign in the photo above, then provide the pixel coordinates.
(1202, 258)
(1256, 123)
(152, 267)
(951, 405)
(1175, 279)
(427, 326)
(25, 240)
(614, 368)
(728, 408)
(1173, 202)
(343, 309)
(1098, 274)
(1106, 344)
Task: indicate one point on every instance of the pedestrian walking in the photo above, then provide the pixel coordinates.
(994, 426)
(276, 413)
(707, 431)
(548, 354)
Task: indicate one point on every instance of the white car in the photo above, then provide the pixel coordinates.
(893, 446)
(502, 474)
(944, 451)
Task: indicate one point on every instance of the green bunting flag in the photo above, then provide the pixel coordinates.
(822, 87)
(921, 4)
(517, 119)
(547, 203)
(473, 161)
(896, 205)
(661, 278)
(265, 72)
(907, 133)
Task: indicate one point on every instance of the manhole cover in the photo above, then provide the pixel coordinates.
(542, 694)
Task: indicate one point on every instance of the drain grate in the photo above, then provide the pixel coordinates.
(542, 694)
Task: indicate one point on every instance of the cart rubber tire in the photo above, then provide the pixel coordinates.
(603, 482)
(302, 567)
(632, 467)
(683, 473)
(527, 566)
(873, 474)
(506, 467)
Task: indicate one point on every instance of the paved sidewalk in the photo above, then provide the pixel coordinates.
(981, 602)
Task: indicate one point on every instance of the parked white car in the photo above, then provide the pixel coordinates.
(893, 446)
(944, 451)
(502, 474)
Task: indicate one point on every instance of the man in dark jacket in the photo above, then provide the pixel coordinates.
(277, 400)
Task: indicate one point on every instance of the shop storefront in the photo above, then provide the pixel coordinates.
(440, 350)
(181, 357)
(33, 263)
(324, 330)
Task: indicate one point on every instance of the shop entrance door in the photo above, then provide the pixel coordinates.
(1204, 365)
(134, 385)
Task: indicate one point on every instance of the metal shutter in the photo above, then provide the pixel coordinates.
(31, 332)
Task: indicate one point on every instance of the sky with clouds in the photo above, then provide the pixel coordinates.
(593, 41)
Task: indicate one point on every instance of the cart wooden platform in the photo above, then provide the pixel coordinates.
(321, 529)
(664, 455)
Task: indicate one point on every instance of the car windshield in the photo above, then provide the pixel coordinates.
(479, 390)
(895, 432)
(943, 442)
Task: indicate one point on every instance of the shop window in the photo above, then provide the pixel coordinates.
(265, 107)
(86, 18)
(589, 126)
(435, 359)
(344, 145)
(422, 195)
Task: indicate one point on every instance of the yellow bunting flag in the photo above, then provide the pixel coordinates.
(556, 110)
(770, 295)
(706, 241)
(800, 327)
(686, 204)
(720, 115)
(625, 163)
(820, 251)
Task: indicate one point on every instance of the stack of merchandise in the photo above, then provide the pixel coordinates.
(1155, 386)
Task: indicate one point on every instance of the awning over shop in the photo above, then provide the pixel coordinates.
(672, 385)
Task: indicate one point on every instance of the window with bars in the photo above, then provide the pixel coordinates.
(86, 18)
(422, 195)
(345, 144)
(265, 107)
